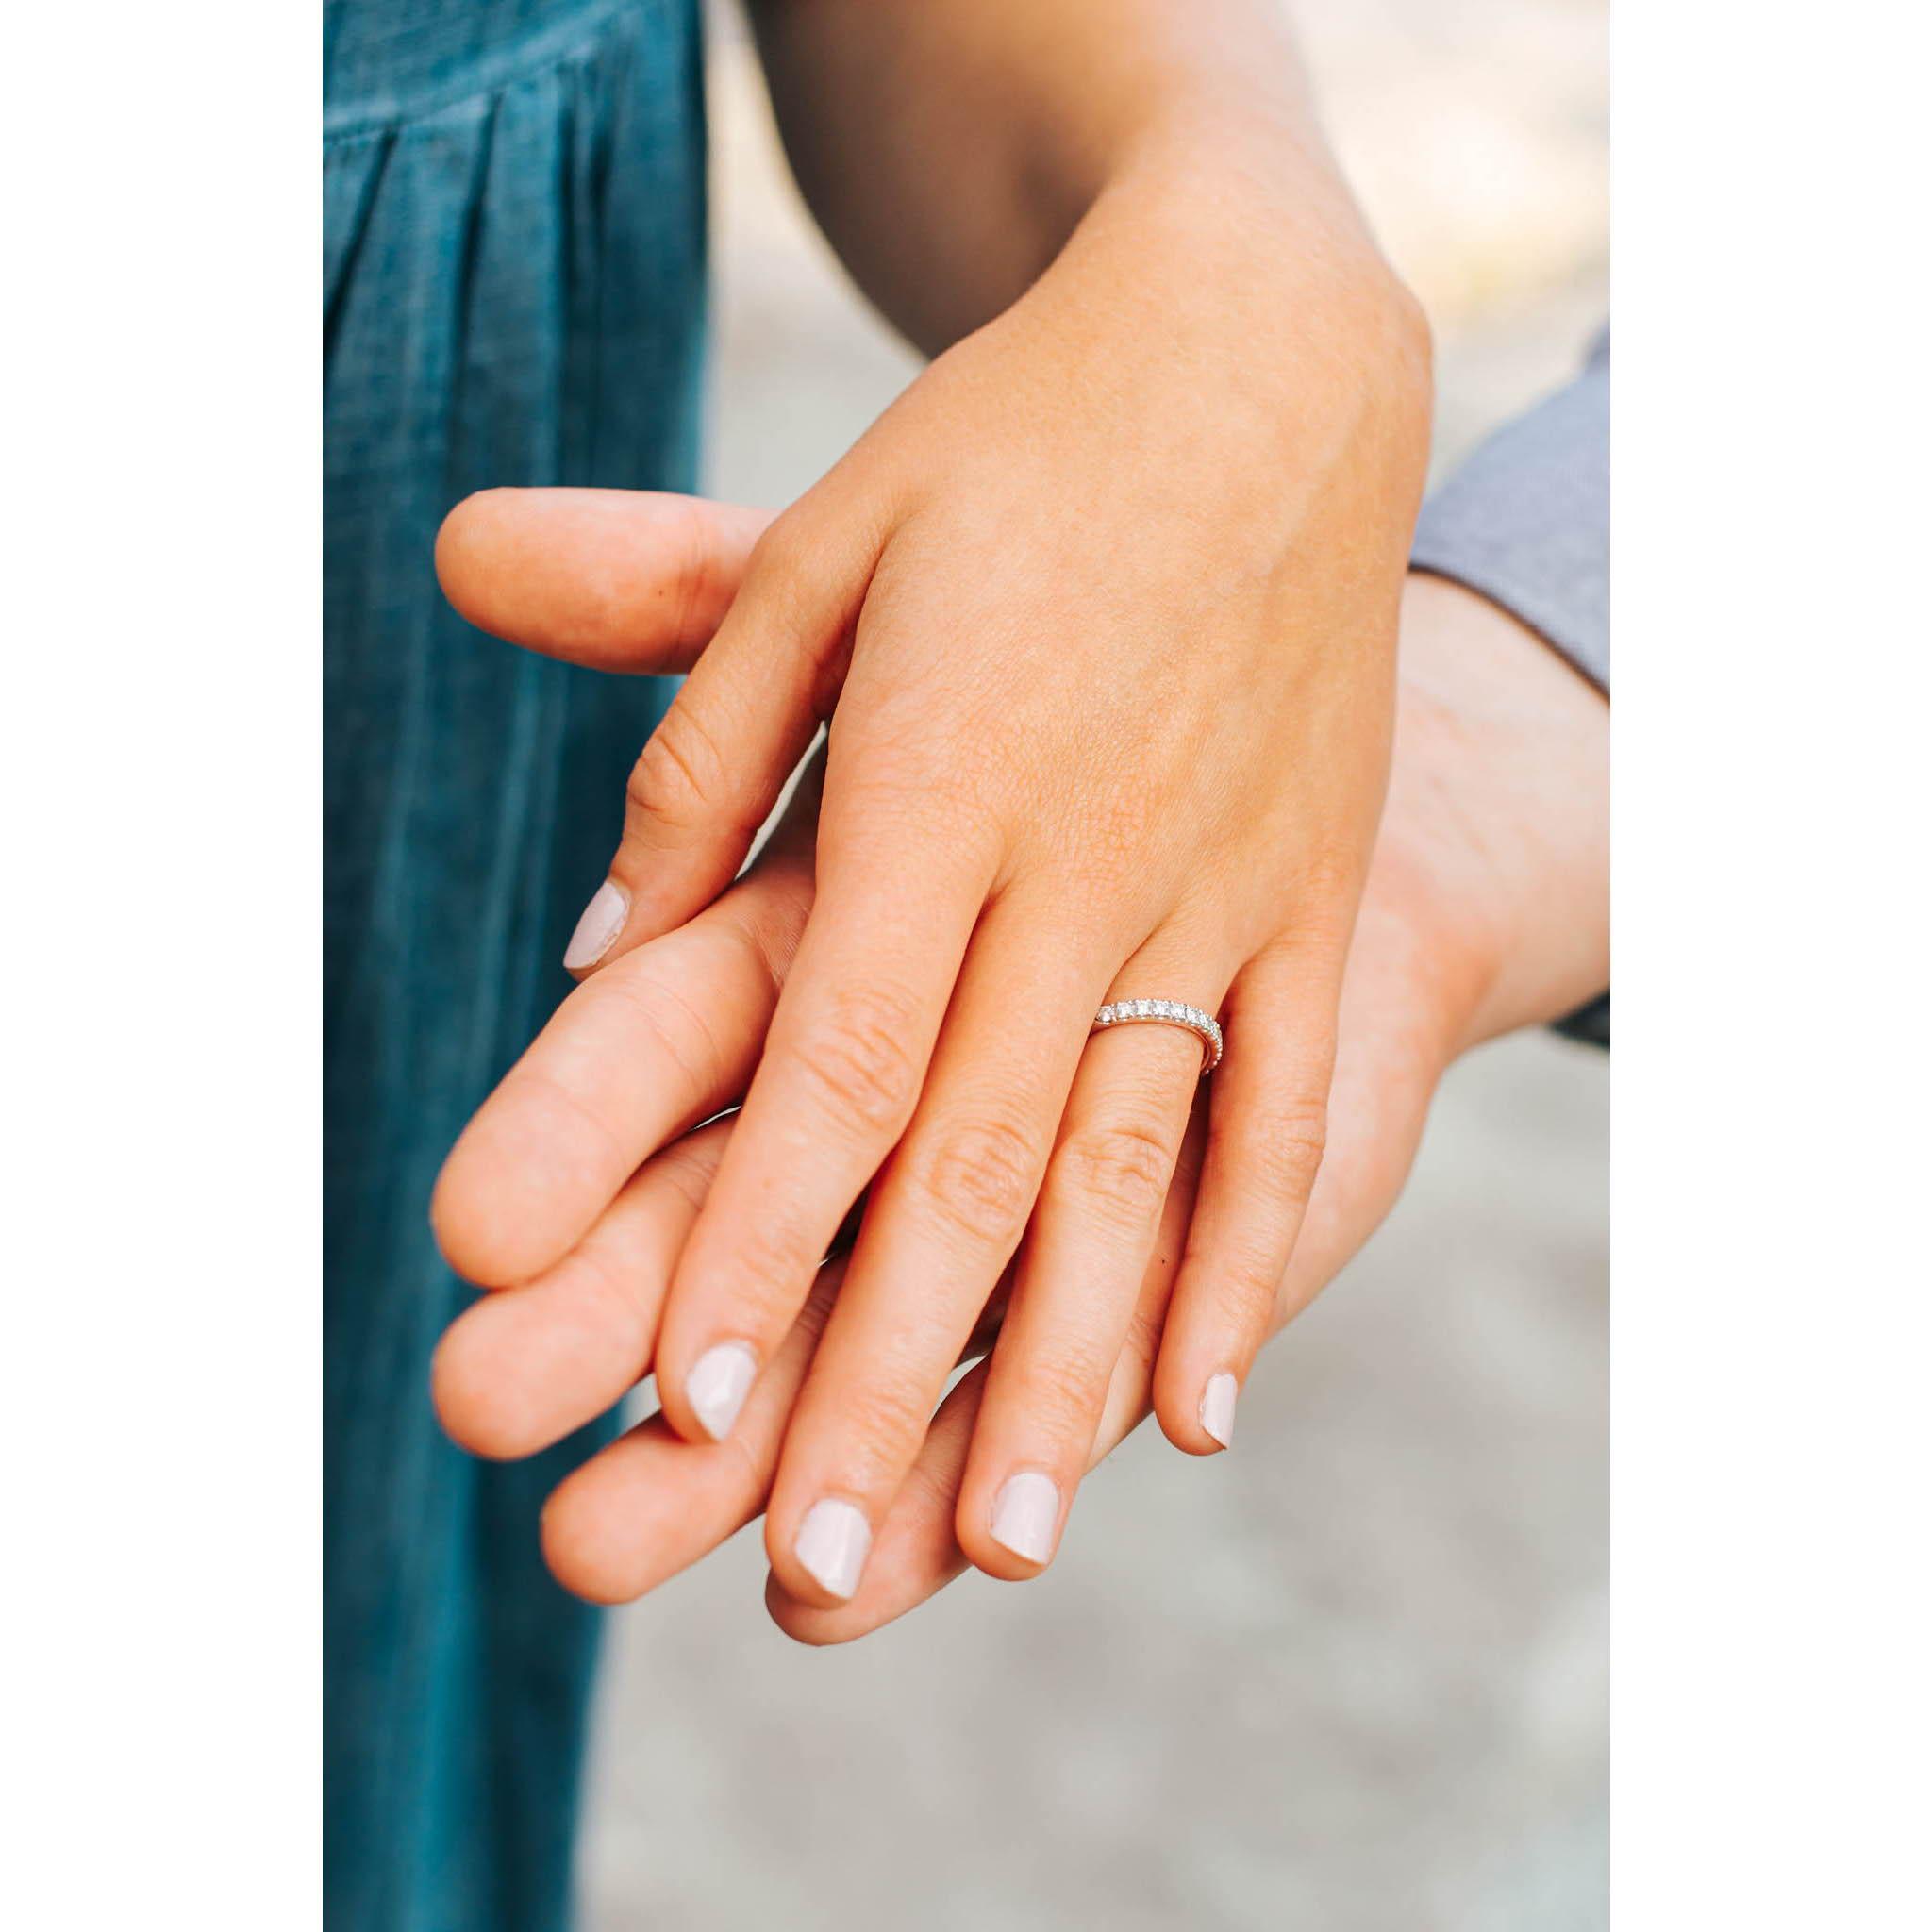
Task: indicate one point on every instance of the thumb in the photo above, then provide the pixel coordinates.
(615, 580)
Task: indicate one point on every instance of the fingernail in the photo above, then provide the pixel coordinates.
(597, 930)
(1024, 1514)
(1217, 1409)
(832, 1544)
(720, 1380)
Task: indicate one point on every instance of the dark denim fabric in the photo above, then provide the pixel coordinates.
(515, 294)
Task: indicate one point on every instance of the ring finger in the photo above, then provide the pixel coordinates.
(1086, 1257)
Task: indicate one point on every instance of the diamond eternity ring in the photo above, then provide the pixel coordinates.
(1167, 1013)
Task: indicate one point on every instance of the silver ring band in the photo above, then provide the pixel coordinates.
(1203, 1026)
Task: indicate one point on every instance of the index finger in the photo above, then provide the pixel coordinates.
(900, 884)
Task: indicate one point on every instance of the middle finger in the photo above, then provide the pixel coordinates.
(942, 1222)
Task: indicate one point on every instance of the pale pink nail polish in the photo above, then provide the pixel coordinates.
(597, 930)
(1217, 1409)
(718, 1381)
(1025, 1513)
(832, 1544)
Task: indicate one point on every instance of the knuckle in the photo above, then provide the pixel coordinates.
(680, 777)
(1281, 1154)
(764, 923)
(861, 1059)
(1246, 1281)
(1100, 860)
(791, 582)
(786, 552)
(1123, 1168)
(1328, 879)
(893, 772)
(980, 1178)
(1098, 881)
(880, 1418)
(651, 1000)
(1066, 1384)
(773, 1259)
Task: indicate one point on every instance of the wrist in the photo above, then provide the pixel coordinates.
(1241, 216)
(1494, 849)
(1267, 194)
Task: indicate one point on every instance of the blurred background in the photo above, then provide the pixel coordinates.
(1351, 1676)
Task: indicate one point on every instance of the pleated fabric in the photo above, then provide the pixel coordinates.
(515, 294)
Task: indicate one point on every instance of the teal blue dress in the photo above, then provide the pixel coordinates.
(514, 286)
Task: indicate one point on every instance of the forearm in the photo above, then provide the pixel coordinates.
(950, 148)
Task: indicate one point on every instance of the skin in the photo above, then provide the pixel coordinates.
(1485, 909)
(1102, 613)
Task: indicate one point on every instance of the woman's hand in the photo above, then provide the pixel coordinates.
(1485, 912)
(526, 1366)
(1103, 611)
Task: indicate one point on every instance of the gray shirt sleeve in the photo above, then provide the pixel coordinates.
(1526, 522)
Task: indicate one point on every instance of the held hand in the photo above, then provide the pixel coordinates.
(526, 1366)
(1112, 700)
(1500, 795)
